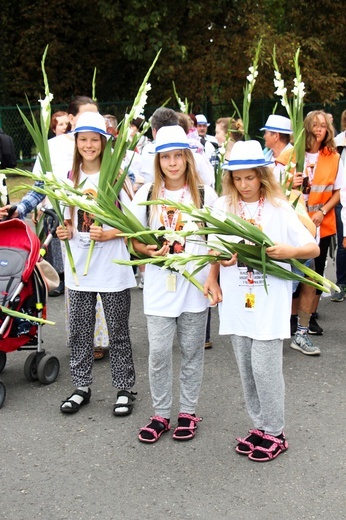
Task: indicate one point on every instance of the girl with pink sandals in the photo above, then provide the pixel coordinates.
(256, 320)
(171, 303)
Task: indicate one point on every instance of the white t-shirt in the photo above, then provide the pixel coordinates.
(103, 275)
(158, 299)
(246, 309)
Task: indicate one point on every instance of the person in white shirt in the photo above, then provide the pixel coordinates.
(258, 320)
(110, 281)
(171, 303)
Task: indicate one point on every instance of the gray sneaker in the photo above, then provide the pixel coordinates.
(339, 297)
(303, 343)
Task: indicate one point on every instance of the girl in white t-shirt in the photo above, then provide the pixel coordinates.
(112, 282)
(256, 320)
(171, 303)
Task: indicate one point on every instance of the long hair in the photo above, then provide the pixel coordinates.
(270, 189)
(78, 159)
(192, 179)
(232, 127)
(328, 141)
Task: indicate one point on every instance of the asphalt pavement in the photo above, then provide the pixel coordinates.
(91, 465)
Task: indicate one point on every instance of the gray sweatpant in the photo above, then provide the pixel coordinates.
(260, 367)
(190, 327)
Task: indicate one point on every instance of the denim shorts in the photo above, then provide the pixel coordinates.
(295, 283)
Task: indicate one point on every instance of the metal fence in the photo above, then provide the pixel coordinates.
(12, 124)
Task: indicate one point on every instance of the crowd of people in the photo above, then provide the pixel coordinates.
(179, 163)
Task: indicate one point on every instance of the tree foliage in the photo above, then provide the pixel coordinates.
(207, 47)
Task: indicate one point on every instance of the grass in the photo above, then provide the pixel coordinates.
(12, 181)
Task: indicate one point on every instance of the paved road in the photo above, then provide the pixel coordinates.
(91, 466)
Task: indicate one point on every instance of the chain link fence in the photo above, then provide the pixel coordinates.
(12, 124)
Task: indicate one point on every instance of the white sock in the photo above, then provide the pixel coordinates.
(123, 399)
(76, 398)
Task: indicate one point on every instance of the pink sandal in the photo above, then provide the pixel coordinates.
(269, 449)
(250, 442)
(187, 427)
(149, 428)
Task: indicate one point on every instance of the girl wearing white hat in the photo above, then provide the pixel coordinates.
(171, 303)
(112, 282)
(256, 320)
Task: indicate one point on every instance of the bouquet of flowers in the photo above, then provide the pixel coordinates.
(294, 107)
(250, 85)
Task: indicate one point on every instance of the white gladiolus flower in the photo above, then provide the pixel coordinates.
(251, 69)
(222, 149)
(277, 75)
(172, 237)
(3, 194)
(49, 176)
(190, 225)
(142, 102)
(279, 84)
(250, 78)
(2, 177)
(282, 92)
(182, 107)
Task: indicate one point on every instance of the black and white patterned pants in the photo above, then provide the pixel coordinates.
(82, 314)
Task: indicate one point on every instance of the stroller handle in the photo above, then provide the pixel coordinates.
(55, 221)
(9, 213)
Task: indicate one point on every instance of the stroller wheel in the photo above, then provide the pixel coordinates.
(48, 369)
(30, 367)
(2, 393)
(3, 359)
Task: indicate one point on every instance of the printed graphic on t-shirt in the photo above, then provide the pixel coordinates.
(174, 220)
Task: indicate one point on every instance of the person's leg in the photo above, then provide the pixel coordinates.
(191, 335)
(301, 340)
(242, 347)
(161, 332)
(267, 370)
(340, 259)
(80, 339)
(268, 376)
(116, 307)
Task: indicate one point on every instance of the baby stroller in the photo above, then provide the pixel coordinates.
(23, 288)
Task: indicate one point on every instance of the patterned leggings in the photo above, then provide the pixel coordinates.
(82, 315)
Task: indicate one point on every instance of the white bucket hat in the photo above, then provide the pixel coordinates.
(91, 122)
(202, 120)
(278, 124)
(246, 155)
(171, 138)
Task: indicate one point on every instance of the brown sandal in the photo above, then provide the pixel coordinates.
(98, 353)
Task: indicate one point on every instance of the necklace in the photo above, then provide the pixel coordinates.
(255, 215)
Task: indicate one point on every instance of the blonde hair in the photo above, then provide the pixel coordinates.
(232, 127)
(192, 179)
(270, 189)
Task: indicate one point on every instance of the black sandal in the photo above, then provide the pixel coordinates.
(75, 406)
(128, 405)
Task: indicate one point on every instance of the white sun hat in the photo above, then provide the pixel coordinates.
(91, 122)
(202, 120)
(171, 138)
(245, 155)
(279, 124)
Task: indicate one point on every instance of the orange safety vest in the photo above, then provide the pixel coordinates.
(322, 189)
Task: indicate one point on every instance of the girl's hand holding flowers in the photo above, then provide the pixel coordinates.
(151, 250)
(64, 232)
